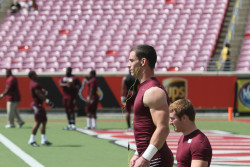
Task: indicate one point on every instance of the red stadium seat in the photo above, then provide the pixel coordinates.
(87, 29)
(173, 69)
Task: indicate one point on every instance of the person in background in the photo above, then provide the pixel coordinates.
(38, 95)
(33, 6)
(92, 101)
(13, 99)
(15, 7)
(194, 148)
(151, 114)
(225, 57)
(71, 85)
(28, 6)
(128, 94)
(25, 6)
(227, 63)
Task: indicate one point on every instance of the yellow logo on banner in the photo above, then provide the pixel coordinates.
(176, 88)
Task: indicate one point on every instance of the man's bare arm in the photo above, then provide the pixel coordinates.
(155, 98)
(199, 163)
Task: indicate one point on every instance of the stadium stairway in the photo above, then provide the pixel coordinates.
(237, 39)
(240, 30)
(224, 29)
(4, 7)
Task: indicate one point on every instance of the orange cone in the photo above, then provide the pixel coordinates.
(230, 113)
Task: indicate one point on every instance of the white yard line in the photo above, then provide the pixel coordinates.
(20, 153)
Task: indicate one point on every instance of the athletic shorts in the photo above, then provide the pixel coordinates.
(69, 104)
(92, 107)
(163, 158)
(39, 113)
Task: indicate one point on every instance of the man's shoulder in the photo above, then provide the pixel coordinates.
(11, 78)
(75, 77)
(154, 90)
(64, 76)
(200, 137)
(128, 76)
(93, 79)
(34, 84)
(152, 82)
(154, 97)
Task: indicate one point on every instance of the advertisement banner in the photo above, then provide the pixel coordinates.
(176, 88)
(243, 96)
(204, 91)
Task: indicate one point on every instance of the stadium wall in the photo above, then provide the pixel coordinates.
(208, 90)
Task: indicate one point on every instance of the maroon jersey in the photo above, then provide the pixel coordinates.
(93, 84)
(70, 92)
(33, 87)
(194, 146)
(144, 126)
(12, 87)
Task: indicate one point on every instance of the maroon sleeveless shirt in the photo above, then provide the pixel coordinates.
(144, 126)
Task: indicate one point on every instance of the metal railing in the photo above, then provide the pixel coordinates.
(215, 64)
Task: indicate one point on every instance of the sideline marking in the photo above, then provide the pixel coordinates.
(20, 153)
(229, 150)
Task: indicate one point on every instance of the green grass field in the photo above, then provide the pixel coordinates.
(74, 149)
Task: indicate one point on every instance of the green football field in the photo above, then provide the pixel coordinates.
(74, 149)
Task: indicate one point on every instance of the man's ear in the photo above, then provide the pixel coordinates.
(143, 61)
(184, 117)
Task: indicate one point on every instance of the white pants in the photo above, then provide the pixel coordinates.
(13, 112)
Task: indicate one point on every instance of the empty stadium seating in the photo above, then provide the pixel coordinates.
(244, 57)
(99, 34)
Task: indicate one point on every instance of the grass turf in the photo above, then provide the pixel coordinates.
(71, 148)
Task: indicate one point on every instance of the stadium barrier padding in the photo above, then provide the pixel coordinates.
(204, 91)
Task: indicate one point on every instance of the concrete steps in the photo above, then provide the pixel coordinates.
(240, 30)
(223, 32)
(4, 7)
(237, 39)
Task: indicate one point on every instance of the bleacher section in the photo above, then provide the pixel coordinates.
(244, 57)
(99, 34)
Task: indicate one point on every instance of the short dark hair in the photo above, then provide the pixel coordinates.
(146, 51)
(31, 73)
(92, 72)
(228, 45)
(183, 107)
(8, 72)
(69, 68)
